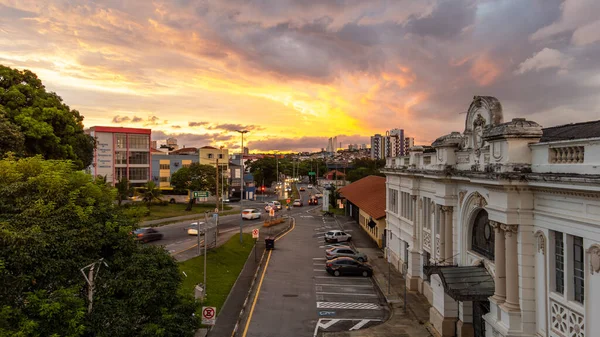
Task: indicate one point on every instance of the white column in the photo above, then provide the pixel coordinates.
(448, 228)
(512, 269)
(499, 260)
(442, 236)
(415, 217)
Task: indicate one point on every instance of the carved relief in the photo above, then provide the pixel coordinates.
(461, 197)
(427, 241)
(566, 322)
(497, 151)
(540, 241)
(594, 252)
(509, 230)
(478, 201)
(576, 325)
(437, 247)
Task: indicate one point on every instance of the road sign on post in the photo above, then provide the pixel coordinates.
(208, 315)
(255, 233)
(200, 194)
(311, 173)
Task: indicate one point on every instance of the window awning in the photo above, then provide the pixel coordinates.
(466, 283)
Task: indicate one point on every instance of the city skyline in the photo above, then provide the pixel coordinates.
(295, 72)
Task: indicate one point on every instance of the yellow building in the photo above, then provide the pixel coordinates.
(209, 155)
(365, 203)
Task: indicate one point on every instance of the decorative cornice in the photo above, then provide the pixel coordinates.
(540, 239)
(509, 229)
(447, 209)
(495, 224)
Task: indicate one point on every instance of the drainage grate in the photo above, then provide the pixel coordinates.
(290, 295)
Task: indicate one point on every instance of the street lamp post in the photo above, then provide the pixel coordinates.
(241, 182)
(222, 184)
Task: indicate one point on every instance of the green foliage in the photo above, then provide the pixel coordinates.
(34, 121)
(195, 177)
(365, 167)
(152, 192)
(124, 190)
(54, 220)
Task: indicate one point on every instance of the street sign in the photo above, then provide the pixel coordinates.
(208, 315)
(271, 212)
(255, 233)
(311, 173)
(200, 194)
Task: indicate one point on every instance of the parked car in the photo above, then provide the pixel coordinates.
(302, 189)
(345, 251)
(347, 266)
(313, 200)
(309, 186)
(193, 228)
(337, 236)
(319, 195)
(297, 203)
(147, 234)
(251, 213)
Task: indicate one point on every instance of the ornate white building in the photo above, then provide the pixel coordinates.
(500, 226)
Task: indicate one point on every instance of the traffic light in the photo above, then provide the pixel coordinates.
(262, 188)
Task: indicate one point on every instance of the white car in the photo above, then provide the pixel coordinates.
(251, 213)
(337, 236)
(309, 186)
(277, 204)
(193, 229)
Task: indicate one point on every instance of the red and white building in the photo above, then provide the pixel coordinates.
(121, 153)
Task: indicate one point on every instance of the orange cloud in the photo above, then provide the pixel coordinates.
(484, 70)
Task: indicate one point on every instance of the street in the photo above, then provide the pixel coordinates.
(176, 240)
(297, 297)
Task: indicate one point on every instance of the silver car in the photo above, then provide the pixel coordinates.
(345, 251)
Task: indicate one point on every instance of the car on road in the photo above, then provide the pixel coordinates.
(251, 213)
(302, 189)
(348, 266)
(345, 251)
(319, 195)
(271, 205)
(193, 228)
(313, 200)
(309, 186)
(147, 234)
(277, 204)
(337, 236)
(297, 203)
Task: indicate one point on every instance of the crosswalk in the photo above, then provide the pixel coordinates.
(347, 305)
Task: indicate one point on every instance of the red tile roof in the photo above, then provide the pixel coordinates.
(368, 194)
(185, 150)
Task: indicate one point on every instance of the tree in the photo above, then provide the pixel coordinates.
(124, 189)
(195, 177)
(54, 220)
(151, 192)
(365, 167)
(38, 122)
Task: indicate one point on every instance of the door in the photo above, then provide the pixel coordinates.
(480, 309)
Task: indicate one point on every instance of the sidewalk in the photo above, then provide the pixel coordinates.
(412, 323)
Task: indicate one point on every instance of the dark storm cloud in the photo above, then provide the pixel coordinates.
(189, 139)
(136, 119)
(448, 19)
(118, 119)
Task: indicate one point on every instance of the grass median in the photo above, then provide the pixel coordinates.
(224, 264)
(173, 210)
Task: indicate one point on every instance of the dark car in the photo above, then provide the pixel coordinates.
(147, 234)
(348, 266)
(313, 201)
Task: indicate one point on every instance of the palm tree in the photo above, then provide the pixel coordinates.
(124, 189)
(152, 192)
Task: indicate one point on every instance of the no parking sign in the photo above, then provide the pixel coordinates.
(209, 315)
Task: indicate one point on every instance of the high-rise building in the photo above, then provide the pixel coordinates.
(153, 144)
(408, 143)
(377, 146)
(394, 143)
(121, 153)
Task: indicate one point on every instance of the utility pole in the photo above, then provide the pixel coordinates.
(223, 183)
(205, 244)
(217, 189)
(277, 170)
(198, 236)
(242, 183)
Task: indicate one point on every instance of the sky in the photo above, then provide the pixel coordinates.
(296, 72)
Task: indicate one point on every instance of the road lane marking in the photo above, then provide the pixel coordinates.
(347, 294)
(347, 305)
(360, 324)
(262, 277)
(343, 285)
(319, 258)
(317, 269)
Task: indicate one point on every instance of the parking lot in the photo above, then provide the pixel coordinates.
(344, 302)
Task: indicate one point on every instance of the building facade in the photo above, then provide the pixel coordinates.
(377, 146)
(121, 153)
(165, 165)
(498, 226)
(209, 155)
(394, 143)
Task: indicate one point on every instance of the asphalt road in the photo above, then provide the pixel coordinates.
(297, 297)
(175, 238)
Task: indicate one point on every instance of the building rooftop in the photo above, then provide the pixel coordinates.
(571, 131)
(209, 147)
(185, 150)
(368, 194)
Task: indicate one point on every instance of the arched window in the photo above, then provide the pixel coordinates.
(482, 235)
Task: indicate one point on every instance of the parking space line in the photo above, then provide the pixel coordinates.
(318, 264)
(342, 285)
(347, 294)
(360, 324)
(319, 258)
(317, 269)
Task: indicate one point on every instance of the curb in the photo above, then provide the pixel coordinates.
(258, 268)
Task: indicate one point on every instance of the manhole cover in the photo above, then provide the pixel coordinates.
(290, 295)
